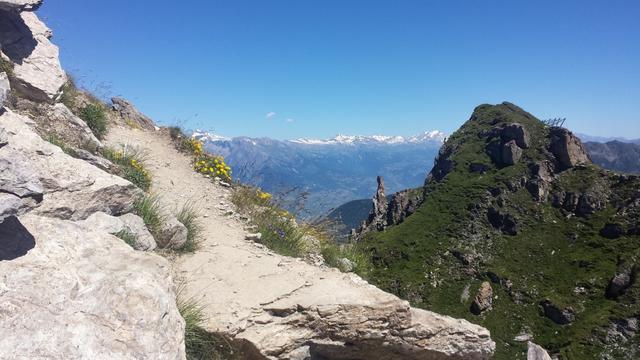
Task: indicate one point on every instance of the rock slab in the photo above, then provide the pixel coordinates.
(82, 294)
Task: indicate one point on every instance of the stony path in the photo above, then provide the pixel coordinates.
(279, 303)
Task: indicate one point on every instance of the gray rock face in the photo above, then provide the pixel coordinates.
(378, 215)
(339, 320)
(345, 265)
(20, 5)
(20, 187)
(128, 112)
(559, 316)
(620, 282)
(71, 188)
(97, 161)
(483, 300)
(5, 88)
(567, 148)
(536, 352)
(511, 153)
(82, 294)
(173, 234)
(129, 222)
(37, 73)
(515, 132)
(403, 204)
(65, 122)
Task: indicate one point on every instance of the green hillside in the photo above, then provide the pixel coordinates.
(548, 241)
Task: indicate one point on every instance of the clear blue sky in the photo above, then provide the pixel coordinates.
(357, 67)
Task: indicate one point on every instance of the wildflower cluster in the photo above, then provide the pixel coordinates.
(263, 197)
(208, 164)
(131, 168)
(192, 146)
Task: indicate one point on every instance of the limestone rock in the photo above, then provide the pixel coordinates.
(511, 153)
(129, 222)
(15, 240)
(20, 187)
(403, 204)
(97, 161)
(135, 225)
(37, 73)
(5, 88)
(72, 188)
(346, 318)
(536, 352)
(377, 219)
(173, 234)
(567, 148)
(82, 294)
(483, 300)
(20, 5)
(128, 112)
(257, 237)
(65, 122)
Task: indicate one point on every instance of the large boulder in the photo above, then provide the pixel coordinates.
(567, 148)
(72, 188)
(128, 112)
(24, 39)
(483, 300)
(20, 186)
(620, 282)
(517, 133)
(130, 223)
(345, 318)
(84, 294)
(173, 234)
(511, 153)
(556, 314)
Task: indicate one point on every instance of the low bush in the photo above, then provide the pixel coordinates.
(188, 216)
(149, 209)
(131, 166)
(95, 117)
(6, 66)
(333, 252)
(69, 93)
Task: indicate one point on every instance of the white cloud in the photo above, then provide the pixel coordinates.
(290, 120)
(270, 114)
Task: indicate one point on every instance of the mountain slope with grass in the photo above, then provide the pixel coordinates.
(521, 233)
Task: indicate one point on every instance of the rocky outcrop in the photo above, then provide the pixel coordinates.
(559, 316)
(536, 352)
(505, 143)
(503, 221)
(84, 294)
(15, 240)
(356, 321)
(70, 188)
(20, 5)
(130, 114)
(567, 148)
(62, 121)
(620, 282)
(483, 300)
(5, 89)
(403, 204)
(377, 219)
(36, 73)
(130, 223)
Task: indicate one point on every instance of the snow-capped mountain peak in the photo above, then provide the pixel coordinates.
(208, 136)
(428, 136)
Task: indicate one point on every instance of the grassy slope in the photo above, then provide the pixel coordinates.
(544, 260)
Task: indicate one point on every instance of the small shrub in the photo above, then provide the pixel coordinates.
(69, 93)
(127, 237)
(149, 209)
(96, 118)
(215, 166)
(131, 166)
(176, 133)
(6, 66)
(333, 252)
(199, 343)
(188, 216)
(191, 146)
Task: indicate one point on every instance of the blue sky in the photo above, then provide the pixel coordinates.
(356, 67)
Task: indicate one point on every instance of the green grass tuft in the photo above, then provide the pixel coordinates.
(127, 237)
(95, 117)
(188, 216)
(149, 209)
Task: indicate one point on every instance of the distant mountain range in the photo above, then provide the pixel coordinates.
(604, 139)
(615, 155)
(320, 175)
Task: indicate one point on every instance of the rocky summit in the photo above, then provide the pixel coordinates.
(105, 255)
(517, 230)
